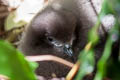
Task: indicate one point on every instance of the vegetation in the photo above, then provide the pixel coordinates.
(14, 65)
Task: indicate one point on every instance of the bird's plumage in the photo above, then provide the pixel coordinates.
(58, 25)
(52, 31)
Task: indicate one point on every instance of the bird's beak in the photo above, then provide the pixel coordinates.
(68, 50)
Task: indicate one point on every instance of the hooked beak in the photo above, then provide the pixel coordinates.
(68, 50)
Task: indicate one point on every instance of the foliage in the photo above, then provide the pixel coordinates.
(87, 62)
(10, 22)
(22, 14)
(14, 65)
(103, 66)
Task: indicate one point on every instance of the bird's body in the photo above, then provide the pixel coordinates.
(52, 31)
(56, 30)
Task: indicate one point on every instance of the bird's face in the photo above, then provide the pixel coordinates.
(53, 31)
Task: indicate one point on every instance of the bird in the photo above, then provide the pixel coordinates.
(57, 30)
(52, 31)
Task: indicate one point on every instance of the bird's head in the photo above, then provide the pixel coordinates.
(52, 30)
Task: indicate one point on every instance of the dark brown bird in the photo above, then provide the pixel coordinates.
(49, 32)
(52, 31)
(57, 30)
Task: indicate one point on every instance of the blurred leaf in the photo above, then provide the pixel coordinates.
(13, 35)
(113, 65)
(113, 69)
(113, 36)
(10, 22)
(87, 63)
(13, 63)
(110, 7)
(106, 8)
(33, 66)
(93, 34)
(23, 14)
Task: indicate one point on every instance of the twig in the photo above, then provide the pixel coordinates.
(73, 71)
(50, 58)
(3, 77)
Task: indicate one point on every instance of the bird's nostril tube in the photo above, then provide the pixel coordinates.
(68, 50)
(67, 46)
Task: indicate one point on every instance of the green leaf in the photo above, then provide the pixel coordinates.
(33, 65)
(93, 34)
(113, 36)
(13, 64)
(87, 63)
(110, 7)
(10, 23)
(106, 8)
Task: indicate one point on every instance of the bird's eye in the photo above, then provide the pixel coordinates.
(50, 39)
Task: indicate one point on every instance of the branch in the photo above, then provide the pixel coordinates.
(49, 58)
